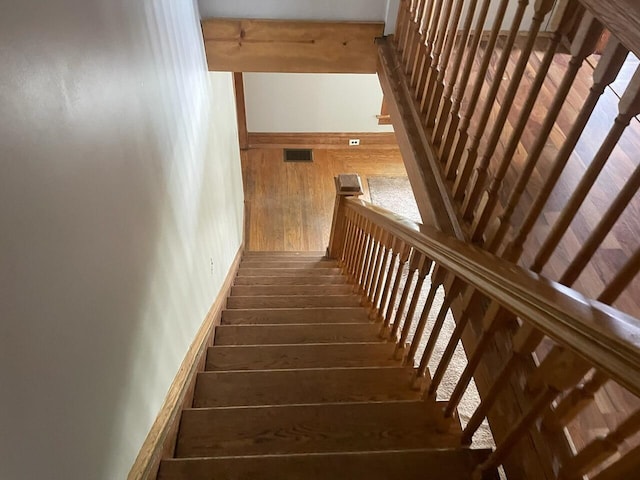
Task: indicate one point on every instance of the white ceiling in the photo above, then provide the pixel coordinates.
(329, 10)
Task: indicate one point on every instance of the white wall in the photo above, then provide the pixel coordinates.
(290, 102)
(119, 186)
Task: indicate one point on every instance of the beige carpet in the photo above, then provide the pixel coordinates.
(395, 194)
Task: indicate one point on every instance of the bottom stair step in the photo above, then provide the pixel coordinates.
(320, 428)
(407, 465)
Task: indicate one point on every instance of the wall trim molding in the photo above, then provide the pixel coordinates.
(160, 441)
(378, 140)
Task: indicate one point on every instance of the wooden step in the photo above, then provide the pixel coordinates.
(286, 272)
(305, 280)
(295, 315)
(283, 290)
(303, 386)
(296, 301)
(266, 357)
(450, 464)
(292, 334)
(295, 254)
(324, 428)
(295, 264)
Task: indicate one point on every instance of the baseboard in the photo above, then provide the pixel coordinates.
(381, 140)
(160, 441)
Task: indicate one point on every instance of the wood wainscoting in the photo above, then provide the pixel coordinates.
(377, 140)
(160, 442)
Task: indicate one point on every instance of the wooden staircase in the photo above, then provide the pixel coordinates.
(298, 385)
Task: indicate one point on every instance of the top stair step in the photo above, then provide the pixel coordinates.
(280, 254)
(287, 272)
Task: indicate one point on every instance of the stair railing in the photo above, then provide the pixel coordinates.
(389, 260)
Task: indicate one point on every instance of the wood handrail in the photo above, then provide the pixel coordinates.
(607, 338)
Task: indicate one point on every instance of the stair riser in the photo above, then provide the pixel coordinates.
(307, 280)
(288, 387)
(300, 356)
(300, 301)
(295, 334)
(301, 315)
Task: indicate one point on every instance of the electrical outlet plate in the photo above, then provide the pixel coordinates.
(354, 142)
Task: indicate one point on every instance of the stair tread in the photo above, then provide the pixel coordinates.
(293, 280)
(251, 316)
(296, 334)
(302, 386)
(320, 428)
(284, 290)
(270, 272)
(440, 464)
(296, 301)
(286, 263)
(299, 356)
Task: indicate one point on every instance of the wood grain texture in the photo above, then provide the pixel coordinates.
(214, 432)
(296, 301)
(303, 386)
(621, 17)
(310, 280)
(336, 140)
(254, 263)
(295, 315)
(161, 438)
(289, 334)
(263, 290)
(287, 272)
(241, 111)
(408, 465)
(290, 46)
(265, 357)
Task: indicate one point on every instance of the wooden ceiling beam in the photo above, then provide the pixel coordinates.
(291, 46)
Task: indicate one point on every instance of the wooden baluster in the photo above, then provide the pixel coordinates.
(492, 321)
(384, 281)
(437, 279)
(346, 186)
(374, 270)
(462, 179)
(429, 46)
(628, 108)
(453, 160)
(605, 73)
(358, 248)
(418, 40)
(439, 120)
(403, 257)
(374, 294)
(576, 400)
(421, 55)
(571, 405)
(406, 22)
(412, 41)
(372, 263)
(525, 341)
(490, 198)
(435, 97)
(351, 252)
(367, 241)
(627, 467)
(435, 58)
(560, 370)
(395, 38)
(451, 292)
(541, 9)
(624, 276)
(599, 450)
(459, 93)
(416, 263)
(599, 233)
(408, 321)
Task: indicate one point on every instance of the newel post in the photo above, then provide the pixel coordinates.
(347, 185)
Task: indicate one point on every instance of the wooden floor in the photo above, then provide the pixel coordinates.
(290, 205)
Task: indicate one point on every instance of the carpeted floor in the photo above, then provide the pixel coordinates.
(395, 194)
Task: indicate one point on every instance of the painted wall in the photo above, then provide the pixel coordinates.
(288, 102)
(120, 214)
